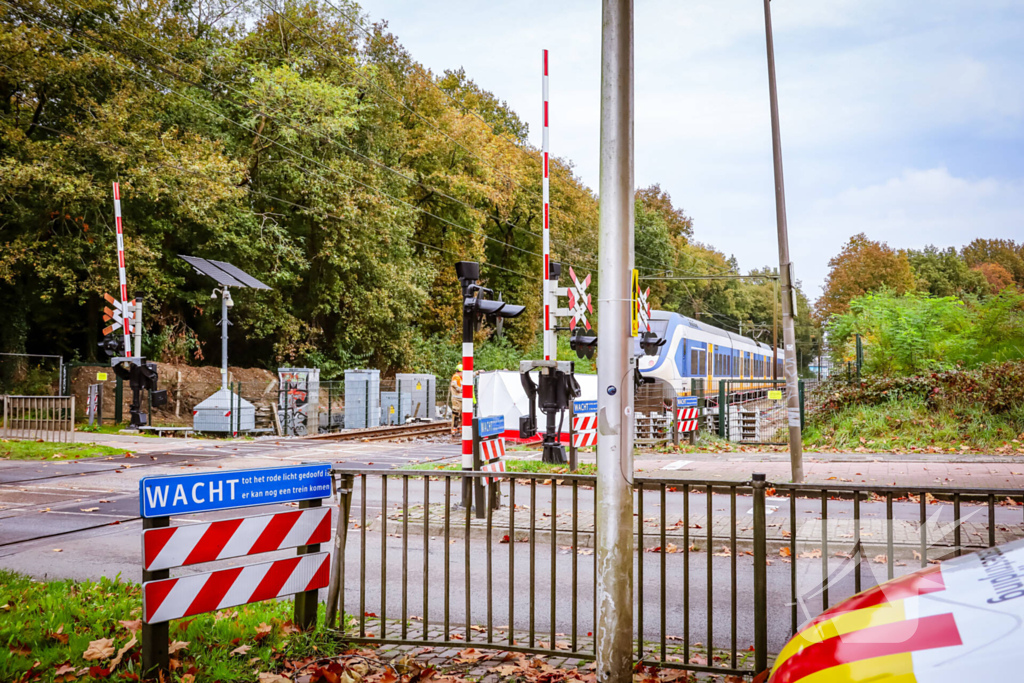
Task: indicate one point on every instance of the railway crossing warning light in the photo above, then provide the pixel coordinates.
(650, 343)
(585, 345)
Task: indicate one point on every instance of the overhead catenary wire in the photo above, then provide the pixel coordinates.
(354, 22)
(405, 106)
(264, 108)
(285, 147)
(250, 190)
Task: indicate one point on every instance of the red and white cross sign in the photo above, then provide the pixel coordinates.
(643, 309)
(579, 300)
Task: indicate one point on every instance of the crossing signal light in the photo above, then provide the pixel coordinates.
(651, 343)
(585, 345)
(476, 300)
(112, 345)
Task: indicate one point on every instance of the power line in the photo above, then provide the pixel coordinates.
(285, 147)
(250, 190)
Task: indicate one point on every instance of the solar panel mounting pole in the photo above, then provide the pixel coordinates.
(224, 336)
(614, 495)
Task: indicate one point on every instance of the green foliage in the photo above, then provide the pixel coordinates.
(51, 623)
(913, 333)
(907, 422)
(994, 388)
(944, 273)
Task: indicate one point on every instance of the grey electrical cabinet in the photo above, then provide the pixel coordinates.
(362, 399)
(422, 392)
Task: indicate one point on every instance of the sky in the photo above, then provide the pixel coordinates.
(902, 120)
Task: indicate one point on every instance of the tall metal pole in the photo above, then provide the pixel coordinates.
(614, 521)
(785, 269)
(775, 329)
(549, 333)
(224, 337)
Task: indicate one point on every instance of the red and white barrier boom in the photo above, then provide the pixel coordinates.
(550, 347)
(121, 278)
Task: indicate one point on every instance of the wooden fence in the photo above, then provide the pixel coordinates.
(46, 418)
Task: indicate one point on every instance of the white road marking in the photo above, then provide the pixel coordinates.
(678, 464)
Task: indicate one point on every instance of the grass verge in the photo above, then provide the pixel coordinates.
(908, 425)
(45, 450)
(513, 465)
(48, 629)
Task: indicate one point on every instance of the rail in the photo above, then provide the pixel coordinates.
(39, 418)
(711, 583)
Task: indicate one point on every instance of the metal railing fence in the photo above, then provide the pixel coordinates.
(718, 568)
(39, 418)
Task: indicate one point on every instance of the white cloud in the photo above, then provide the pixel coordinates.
(918, 207)
(867, 89)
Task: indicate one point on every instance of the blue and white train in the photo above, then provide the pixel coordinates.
(696, 350)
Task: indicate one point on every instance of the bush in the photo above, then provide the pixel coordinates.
(994, 387)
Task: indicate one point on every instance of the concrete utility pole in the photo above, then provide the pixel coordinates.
(615, 367)
(796, 446)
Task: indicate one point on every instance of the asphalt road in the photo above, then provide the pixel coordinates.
(46, 532)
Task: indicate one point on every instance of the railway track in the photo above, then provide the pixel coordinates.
(388, 433)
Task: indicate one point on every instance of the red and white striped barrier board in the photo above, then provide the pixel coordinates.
(495, 466)
(180, 546)
(687, 420)
(584, 428)
(176, 598)
(492, 448)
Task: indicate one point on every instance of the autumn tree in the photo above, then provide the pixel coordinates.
(863, 266)
(1007, 253)
(996, 276)
(943, 272)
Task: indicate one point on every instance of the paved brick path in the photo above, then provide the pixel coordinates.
(452, 655)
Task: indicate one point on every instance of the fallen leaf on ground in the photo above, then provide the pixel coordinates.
(176, 646)
(880, 559)
(120, 653)
(64, 672)
(88, 509)
(241, 649)
(99, 649)
(810, 554)
(785, 551)
(267, 677)
(470, 655)
(133, 625)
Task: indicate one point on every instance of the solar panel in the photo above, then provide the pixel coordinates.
(206, 268)
(239, 275)
(224, 273)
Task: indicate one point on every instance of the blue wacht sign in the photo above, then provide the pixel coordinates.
(584, 407)
(491, 426)
(686, 401)
(184, 494)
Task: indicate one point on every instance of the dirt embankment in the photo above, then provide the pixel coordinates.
(186, 386)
